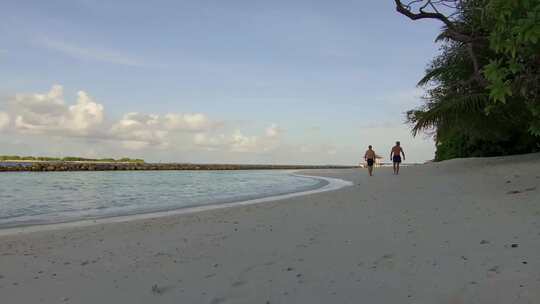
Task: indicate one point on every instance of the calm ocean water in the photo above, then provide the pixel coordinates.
(49, 197)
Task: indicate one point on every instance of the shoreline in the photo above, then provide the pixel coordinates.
(461, 231)
(325, 184)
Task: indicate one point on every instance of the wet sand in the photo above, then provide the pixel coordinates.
(462, 231)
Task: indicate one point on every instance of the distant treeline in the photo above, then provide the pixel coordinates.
(68, 158)
(134, 166)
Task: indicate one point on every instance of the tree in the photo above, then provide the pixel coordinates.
(515, 70)
(467, 109)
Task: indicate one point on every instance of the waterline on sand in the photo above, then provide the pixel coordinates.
(326, 184)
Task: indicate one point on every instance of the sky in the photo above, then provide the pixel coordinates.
(289, 82)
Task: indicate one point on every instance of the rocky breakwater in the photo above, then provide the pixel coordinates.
(100, 166)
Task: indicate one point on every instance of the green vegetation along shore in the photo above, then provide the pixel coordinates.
(483, 89)
(67, 159)
(31, 163)
(38, 166)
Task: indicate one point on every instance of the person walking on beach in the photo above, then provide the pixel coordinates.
(395, 156)
(370, 159)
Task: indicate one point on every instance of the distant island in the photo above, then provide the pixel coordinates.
(68, 159)
(70, 163)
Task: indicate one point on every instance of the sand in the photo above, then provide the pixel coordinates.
(462, 231)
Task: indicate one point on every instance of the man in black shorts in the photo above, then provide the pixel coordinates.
(370, 159)
(395, 156)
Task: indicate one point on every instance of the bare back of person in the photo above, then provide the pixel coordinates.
(396, 150)
(370, 154)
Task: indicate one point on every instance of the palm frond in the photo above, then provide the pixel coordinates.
(430, 74)
(442, 37)
(447, 111)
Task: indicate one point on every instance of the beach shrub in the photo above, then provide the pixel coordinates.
(111, 160)
(130, 160)
(10, 157)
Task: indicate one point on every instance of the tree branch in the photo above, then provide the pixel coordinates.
(422, 15)
(452, 32)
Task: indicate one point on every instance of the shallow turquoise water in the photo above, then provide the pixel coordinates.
(50, 197)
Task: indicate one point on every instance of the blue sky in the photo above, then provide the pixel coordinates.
(271, 81)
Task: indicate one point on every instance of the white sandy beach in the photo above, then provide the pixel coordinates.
(461, 231)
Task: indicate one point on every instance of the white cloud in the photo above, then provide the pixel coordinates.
(92, 53)
(4, 120)
(210, 143)
(86, 113)
(45, 113)
(135, 121)
(137, 131)
(242, 143)
(187, 122)
(273, 131)
(49, 114)
(239, 142)
(236, 142)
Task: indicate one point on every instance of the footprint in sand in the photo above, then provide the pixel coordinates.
(218, 300)
(521, 191)
(495, 269)
(159, 290)
(384, 261)
(238, 283)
